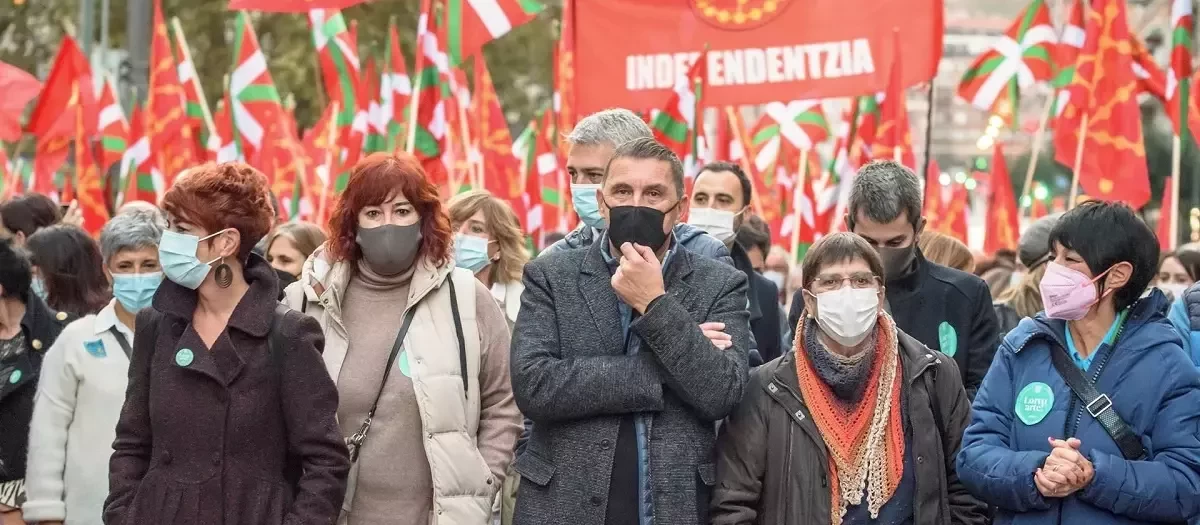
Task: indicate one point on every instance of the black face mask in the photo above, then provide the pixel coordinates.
(638, 225)
(390, 249)
(897, 261)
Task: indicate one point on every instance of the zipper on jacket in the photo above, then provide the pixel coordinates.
(787, 467)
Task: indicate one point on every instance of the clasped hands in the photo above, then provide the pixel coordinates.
(1065, 472)
(638, 281)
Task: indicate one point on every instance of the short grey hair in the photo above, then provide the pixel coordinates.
(884, 189)
(143, 207)
(133, 230)
(649, 149)
(611, 127)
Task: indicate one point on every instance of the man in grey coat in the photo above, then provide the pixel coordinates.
(610, 363)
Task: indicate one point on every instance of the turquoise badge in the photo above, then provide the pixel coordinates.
(184, 357)
(402, 363)
(947, 339)
(1034, 402)
(14, 376)
(95, 348)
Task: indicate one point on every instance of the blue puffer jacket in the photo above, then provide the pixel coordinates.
(1154, 388)
(1185, 315)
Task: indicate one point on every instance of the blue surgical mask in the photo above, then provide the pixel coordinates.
(177, 255)
(470, 252)
(583, 198)
(135, 290)
(38, 287)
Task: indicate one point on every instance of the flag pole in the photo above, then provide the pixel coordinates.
(330, 174)
(928, 128)
(181, 41)
(1035, 150)
(1176, 154)
(1083, 124)
(410, 142)
(747, 162)
(797, 194)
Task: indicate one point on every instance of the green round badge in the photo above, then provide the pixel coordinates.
(947, 339)
(14, 377)
(402, 363)
(184, 357)
(1034, 402)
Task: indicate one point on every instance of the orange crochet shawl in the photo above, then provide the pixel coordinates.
(865, 441)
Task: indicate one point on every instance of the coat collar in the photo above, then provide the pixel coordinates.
(325, 282)
(252, 315)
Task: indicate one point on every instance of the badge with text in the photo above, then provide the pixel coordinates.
(1034, 402)
(184, 357)
(95, 348)
(947, 339)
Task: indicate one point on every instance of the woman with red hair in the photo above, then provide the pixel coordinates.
(419, 351)
(229, 417)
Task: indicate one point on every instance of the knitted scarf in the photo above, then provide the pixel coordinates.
(865, 440)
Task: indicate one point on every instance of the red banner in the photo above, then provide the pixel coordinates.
(630, 52)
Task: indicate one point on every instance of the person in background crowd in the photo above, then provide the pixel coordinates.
(1023, 298)
(83, 383)
(24, 215)
(720, 201)
(28, 328)
(489, 242)
(1185, 307)
(141, 207)
(996, 271)
(1176, 272)
(778, 262)
(290, 244)
(591, 145)
(946, 309)
(945, 250)
(68, 270)
(423, 342)
(794, 283)
(607, 348)
(1125, 453)
(755, 236)
(229, 416)
(869, 395)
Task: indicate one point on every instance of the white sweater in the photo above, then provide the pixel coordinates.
(79, 398)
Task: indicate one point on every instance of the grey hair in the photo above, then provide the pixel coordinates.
(146, 208)
(133, 230)
(611, 127)
(647, 148)
(883, 190)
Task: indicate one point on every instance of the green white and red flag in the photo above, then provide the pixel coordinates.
(676, 125)
(253, 98)
(341, 73)
(1180, 73)
(801, 122)
(290, 6)
(223, 120)
(388, 118)
(1070, 43)
(1021, 57)
(472, 23)
(551, 178)
(199, 117)
(114, 129)
(375, 140)
(141, 179)
(432, 88)
(528, 206)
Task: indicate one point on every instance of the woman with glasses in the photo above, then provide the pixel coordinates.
(859, 423)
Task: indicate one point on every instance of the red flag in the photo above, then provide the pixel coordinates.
(53, 120)
(19, 88)
(501, 170)
(166, 107)
(1003, 227)
(894, 137)
(1104, 93)
(290, 6)
(1165, 239)
(88, 178)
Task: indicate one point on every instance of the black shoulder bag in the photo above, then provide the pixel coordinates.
(1098, 405)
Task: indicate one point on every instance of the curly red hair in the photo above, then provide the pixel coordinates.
(376, 179)
(220, 196)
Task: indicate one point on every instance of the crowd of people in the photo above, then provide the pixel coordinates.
(412, 362)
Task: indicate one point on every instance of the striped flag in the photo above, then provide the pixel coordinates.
(395, 87)
(142, 180)
(341, 72)
(1180, 73)
(802, 122)
(1019, 58)
(114, 129)
(432, 88)
(253, 97)
(472, 23)
(199, 117)
(676, 125)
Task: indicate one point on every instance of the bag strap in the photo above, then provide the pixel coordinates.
(458, 331)
(1098, 405)
(124, 343)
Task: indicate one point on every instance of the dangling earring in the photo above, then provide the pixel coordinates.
(223, 274)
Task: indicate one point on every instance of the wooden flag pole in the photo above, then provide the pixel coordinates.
(330, 174)
(1083, 125)
(1176, 160)
(187, 55)
(1038, 137)
(410, 142)
(747, 162)
(797, 194)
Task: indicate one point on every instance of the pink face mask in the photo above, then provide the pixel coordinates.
(1068, 294)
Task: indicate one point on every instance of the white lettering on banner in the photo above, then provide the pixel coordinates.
(771, 65)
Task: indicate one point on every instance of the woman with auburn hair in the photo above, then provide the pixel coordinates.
(489, 242)
(419, 351)
(228, 417)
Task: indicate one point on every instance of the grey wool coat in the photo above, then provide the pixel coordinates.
(572, 377)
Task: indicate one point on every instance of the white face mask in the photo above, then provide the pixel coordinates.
(1174, 289)
(848, 314)
(775, 277)
(718, 223)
